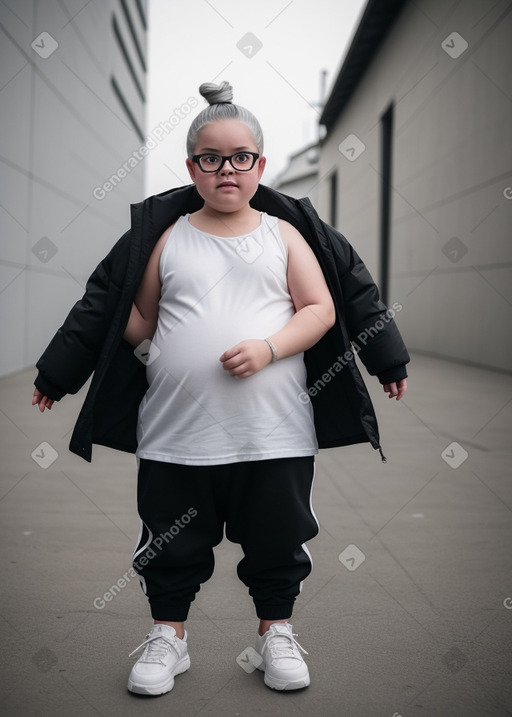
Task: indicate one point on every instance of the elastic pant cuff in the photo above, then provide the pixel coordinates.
(264, 611)
(169, 612)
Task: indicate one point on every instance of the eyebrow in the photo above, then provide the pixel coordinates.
(216, 151)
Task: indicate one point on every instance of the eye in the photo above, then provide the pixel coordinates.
(210, 159)
(242, 158)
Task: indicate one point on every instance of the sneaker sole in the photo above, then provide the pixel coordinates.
(282, 685)
(162, 687)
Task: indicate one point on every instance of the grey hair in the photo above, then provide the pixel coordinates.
(219, 98)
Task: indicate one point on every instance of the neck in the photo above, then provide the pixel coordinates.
(239, 221)
(237, 215)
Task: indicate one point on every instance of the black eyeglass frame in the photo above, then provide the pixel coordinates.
(197, 157)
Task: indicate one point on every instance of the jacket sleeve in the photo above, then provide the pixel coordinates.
(370, 324)
(72, 354)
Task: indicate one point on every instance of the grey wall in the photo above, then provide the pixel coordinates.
(300, 187)
(64, 133)
(451, 178)
(300, 178)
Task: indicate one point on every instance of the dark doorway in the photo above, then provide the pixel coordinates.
(333, 198)
(385, 200)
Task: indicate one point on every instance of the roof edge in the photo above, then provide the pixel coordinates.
(376, 22)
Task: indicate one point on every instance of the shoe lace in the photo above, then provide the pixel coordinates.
(156, 648)
(283, 644)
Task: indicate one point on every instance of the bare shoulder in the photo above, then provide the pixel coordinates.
(158, 248)
(165, 234)
(290, 236)
(151, 272)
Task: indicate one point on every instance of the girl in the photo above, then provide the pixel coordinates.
(238, 326)
(235, 297)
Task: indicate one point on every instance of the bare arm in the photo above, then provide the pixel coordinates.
(315, 313)
(144, 314)
(314, 307)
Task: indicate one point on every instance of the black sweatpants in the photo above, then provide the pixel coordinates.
(266, 508)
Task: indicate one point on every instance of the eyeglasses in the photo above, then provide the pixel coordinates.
(241, 161)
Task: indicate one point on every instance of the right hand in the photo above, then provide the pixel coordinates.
(246, 358)
(42, 401)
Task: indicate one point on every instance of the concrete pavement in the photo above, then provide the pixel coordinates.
(408, 610)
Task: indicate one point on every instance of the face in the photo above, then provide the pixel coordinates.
(227, 190)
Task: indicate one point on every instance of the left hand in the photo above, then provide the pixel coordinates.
(41, 401)
(396, 389)
(246, 358)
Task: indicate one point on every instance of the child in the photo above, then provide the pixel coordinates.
(231, 297)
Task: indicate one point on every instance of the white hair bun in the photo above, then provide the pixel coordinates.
(216, 94)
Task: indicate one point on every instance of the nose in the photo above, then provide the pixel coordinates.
(225, 166)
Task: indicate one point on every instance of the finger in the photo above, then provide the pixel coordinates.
(245, 374)
(45, 403)
(234, 362)
(239, 370)
(401, 391)
(230, 353)
(390, 388)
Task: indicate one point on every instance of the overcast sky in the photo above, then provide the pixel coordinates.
(272, 52)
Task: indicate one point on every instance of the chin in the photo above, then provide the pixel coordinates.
(229, 202)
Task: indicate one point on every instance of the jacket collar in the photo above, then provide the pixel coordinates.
(160, 210)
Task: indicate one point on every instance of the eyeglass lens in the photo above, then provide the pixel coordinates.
(240, 161)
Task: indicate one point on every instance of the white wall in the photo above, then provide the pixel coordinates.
(63, 134)
(452, 165)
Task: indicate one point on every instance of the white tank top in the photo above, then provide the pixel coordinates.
(216, 292)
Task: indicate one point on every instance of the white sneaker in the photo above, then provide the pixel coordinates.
(282, 663)
(164, 656)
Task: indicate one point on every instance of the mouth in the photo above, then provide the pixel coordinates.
(227, 184)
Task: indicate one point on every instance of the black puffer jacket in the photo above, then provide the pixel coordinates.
(90, 340)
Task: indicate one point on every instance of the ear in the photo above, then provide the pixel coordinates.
(192, 168)
(262, 161)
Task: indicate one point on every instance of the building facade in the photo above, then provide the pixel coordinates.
(72, 83)
(300, 177)
(416, 169)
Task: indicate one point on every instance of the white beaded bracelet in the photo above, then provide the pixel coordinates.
(273, 349)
